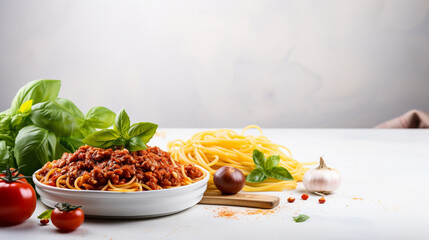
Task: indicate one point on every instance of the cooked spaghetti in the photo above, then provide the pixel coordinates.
(92, 168)
(217, 148)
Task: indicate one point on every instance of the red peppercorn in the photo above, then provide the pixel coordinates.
(291, 199)
(44, 221)
(322, 200)
(304, 196)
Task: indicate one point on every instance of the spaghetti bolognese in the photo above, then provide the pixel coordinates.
(91, 168)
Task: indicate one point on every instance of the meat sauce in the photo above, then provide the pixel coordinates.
(153, 167)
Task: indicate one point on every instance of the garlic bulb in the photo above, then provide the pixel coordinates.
(322, 179)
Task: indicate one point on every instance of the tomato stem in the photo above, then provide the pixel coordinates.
(11, 175)
(65, 207)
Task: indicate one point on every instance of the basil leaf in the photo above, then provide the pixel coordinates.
(34, 146)
(122, 123)
(101, 138)
(38, 91)
(16, 120)
(107, 144)
(272, 161)
(60, 150)
(257, 175)
(5, 124)
(301, 218)
(54, 117)
(119, 142)
(258, 158)
(6, 112)
(136, 144)
(280, 173)
(144, 130)
(70, 107)
(82, 132)
(5, 155)
(99, 117)
(86, 131)
(70, 144)
(45, 215)
(8, 139)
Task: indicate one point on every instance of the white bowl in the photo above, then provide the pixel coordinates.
(128, 205)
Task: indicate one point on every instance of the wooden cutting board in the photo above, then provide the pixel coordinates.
(240, 199)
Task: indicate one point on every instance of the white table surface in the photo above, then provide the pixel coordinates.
(383, 195)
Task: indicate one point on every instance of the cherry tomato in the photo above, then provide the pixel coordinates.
(17, 199)
(67, 220)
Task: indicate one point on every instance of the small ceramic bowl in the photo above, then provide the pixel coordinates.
(126, 205)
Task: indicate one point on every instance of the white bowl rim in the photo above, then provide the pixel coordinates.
(174, 189)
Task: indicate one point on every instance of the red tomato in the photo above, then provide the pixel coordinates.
(67, 220)
(17, 201)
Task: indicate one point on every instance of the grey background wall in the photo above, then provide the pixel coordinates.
(224, 63)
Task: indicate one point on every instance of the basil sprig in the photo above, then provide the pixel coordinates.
(133, 137)
(40, 126)
(266, 168)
